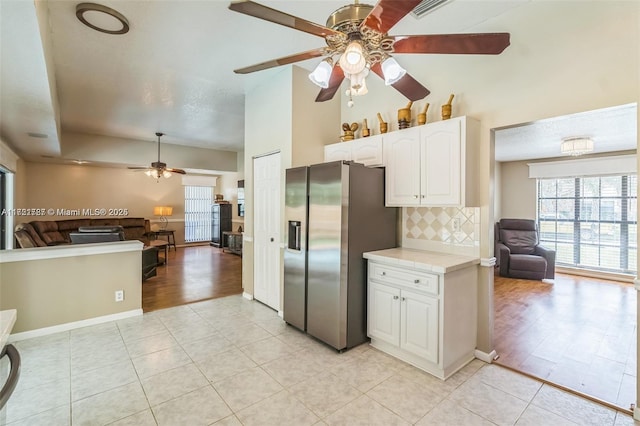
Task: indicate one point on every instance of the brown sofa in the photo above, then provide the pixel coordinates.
(56, 232)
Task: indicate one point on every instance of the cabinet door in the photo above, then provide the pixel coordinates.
(337, 151)
(441, 163)
(402, 173)
(419, 325)
(367, 151)
(383, 307)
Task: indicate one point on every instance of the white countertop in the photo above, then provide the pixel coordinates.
(7, 319)
(424, 260)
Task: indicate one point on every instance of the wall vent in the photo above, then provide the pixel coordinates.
(427, 6)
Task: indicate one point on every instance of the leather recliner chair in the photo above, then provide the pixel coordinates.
(518, 252)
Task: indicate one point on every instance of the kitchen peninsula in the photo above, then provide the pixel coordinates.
(422, 307)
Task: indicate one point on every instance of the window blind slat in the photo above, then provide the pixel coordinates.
(591, 222)
(197, 213)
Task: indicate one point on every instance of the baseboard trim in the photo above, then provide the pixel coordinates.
(247, 296)
(281, 314)
(636, 413)
(486, 357)
(45, 331)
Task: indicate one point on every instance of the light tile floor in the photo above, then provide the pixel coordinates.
(231, 361)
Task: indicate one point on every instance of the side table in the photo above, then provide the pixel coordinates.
(161, 245)
(169, 233)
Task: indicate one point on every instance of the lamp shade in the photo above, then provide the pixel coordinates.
(392, 71)
(162, 211)
(576, 146)
(352, 60)
(322, 74)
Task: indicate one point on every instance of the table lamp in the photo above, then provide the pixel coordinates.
(163, 212)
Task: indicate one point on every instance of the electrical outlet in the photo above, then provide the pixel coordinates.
(456, 224)
(119, 295)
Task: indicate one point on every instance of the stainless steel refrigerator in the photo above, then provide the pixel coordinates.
(334, 212)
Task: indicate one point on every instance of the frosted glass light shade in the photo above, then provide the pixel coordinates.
(358, 84)
(576, 146)
(392, 71)
(352, 60)
(321, 75)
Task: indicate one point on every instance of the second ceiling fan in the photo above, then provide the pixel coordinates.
(357, 34)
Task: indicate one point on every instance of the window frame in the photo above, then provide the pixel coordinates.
(627, 183)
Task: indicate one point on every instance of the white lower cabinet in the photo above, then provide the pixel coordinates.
(425, 319)
(419, 325)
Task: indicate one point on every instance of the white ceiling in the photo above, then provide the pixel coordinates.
(173, 71)
(611, 129)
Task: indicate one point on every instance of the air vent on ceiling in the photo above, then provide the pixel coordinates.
(427, 6)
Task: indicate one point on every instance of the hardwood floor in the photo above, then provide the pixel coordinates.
(574, 331)
(192, 274)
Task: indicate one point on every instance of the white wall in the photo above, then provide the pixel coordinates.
(281, 115)
(564, 57)
(518, 192)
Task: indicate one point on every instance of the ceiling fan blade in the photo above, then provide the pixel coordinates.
(272, 15)
(407, 85)
(337, 75)
(387, 13)
(138, 168)
(315, 53)
(478, 43)
(179, 171)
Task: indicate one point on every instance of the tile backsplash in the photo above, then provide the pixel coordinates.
(438, 224)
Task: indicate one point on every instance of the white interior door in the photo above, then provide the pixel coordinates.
(266, 229)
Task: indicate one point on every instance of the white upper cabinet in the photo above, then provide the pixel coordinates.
(402, 161)
(433, 165)
(367, 151)
(337, 151)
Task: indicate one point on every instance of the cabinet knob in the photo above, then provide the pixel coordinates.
(415, 196)
(423, 196)
(271, 239)
(416, 281)
(395, 297)
(404, 298)
(383, 273)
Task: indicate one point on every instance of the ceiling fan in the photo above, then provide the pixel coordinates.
(159, 169)
(357, 34)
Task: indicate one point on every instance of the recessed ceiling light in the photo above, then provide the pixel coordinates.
(38, 135)
(102, 18)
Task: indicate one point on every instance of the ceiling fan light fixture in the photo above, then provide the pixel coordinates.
(576, 146)
(166, 174)
(392, 71)
(358, 86)
(322, 74)
(352, 60)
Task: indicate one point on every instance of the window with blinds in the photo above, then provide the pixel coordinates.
(197, 213)
(591, 222)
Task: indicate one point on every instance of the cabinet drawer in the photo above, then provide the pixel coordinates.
(421, 281)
